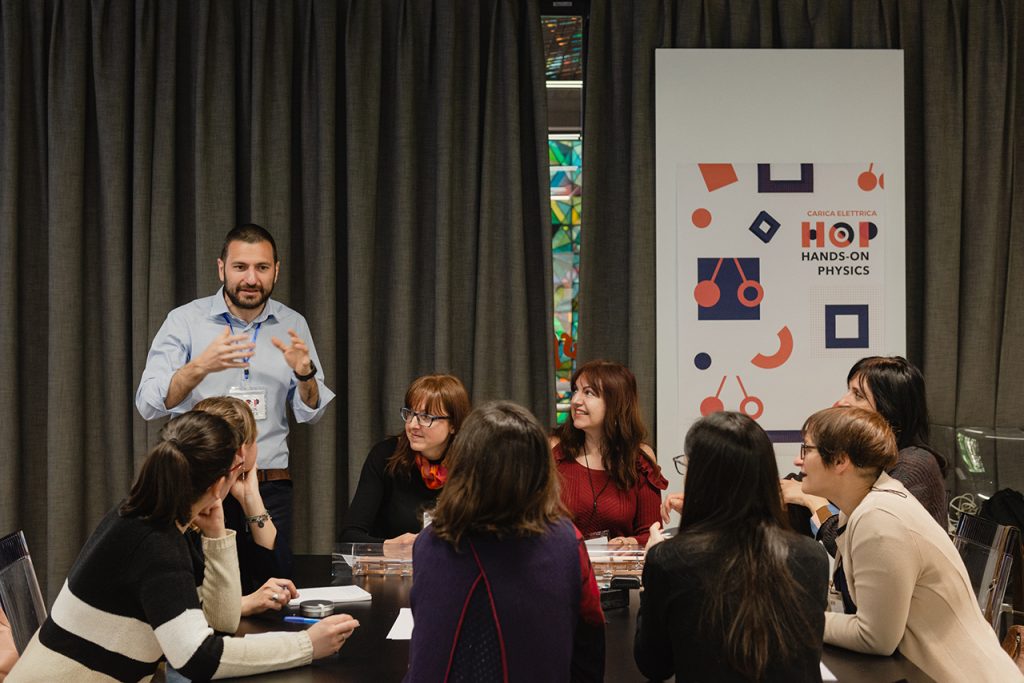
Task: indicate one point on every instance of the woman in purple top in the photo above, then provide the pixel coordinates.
(502, 587)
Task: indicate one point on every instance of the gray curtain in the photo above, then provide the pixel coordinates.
(964, 177)
(395, 148)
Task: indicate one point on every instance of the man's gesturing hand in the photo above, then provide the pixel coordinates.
(296, 354)
(227, 351)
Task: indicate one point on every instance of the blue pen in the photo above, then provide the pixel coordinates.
(301, 620)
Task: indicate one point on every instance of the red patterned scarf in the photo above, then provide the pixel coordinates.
(434, 473)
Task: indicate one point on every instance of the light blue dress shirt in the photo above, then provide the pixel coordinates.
(189, 329)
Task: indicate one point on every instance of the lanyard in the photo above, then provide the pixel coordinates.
(255, 333)
(839, 581)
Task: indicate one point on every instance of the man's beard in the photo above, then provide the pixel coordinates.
(243, 304)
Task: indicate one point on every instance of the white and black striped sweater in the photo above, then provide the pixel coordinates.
(131, 600)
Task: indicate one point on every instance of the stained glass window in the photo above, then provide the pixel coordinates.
(564, 158)
(563, 50)
(563, 47)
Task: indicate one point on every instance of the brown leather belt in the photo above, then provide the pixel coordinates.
(272, 475)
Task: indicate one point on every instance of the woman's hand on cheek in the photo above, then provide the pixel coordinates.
(210, 520)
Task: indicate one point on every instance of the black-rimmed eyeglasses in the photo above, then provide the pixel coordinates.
(425, 420)
(805, 448)
(681, 462)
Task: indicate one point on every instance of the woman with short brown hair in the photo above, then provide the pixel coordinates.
(894, 388)
(899, 582)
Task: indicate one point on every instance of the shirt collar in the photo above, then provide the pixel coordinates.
(219, 308)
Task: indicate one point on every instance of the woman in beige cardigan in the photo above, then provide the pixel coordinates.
(899, 582)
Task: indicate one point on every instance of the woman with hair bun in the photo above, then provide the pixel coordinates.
(611, 482)
(130, 600)
(899, 582)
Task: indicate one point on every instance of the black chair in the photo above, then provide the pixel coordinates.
(20, 596)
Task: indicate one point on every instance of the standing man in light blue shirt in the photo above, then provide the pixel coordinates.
(242, 343)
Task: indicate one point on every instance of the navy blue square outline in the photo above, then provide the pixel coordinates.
(766, 184)
(834, 342)
(764, 218)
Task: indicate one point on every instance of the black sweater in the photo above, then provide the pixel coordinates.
(386, 506)
(676, 581)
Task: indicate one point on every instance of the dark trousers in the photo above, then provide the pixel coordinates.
(277, 496)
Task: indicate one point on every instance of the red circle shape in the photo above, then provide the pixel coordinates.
(711, 404)
(867, 181)
(741, 293)
(706, 293)
(701, 218)
(759, 407)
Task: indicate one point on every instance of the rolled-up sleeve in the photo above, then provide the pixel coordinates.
(171, 349)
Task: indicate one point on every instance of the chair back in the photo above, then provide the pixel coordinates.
(987, 551)
(20, 597)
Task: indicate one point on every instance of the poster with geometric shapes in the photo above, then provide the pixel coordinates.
(779, 259)
(780, 255)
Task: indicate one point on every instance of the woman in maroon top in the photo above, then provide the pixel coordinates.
(611, 482)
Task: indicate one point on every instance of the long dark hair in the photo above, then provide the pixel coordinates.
(501, 477)
(898, 389)
(440, 395)
(623, 427)
(195, 450)
(734, 513)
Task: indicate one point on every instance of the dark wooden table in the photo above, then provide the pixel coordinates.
(370, 656)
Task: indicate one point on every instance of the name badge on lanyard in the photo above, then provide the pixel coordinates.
(254, 396)
(835, 601)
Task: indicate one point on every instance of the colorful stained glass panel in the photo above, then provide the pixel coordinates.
(564, 156)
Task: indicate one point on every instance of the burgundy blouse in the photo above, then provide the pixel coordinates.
(597, 504)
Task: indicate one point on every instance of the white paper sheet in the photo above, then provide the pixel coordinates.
(827, 675)
(338, 594)
(402, 628)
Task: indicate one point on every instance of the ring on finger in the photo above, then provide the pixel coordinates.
(274, 597)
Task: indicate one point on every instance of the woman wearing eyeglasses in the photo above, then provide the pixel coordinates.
(611, 482)
(899, 582)
(894, 388)
(735, 595)
(404, 474)
(131, 598)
